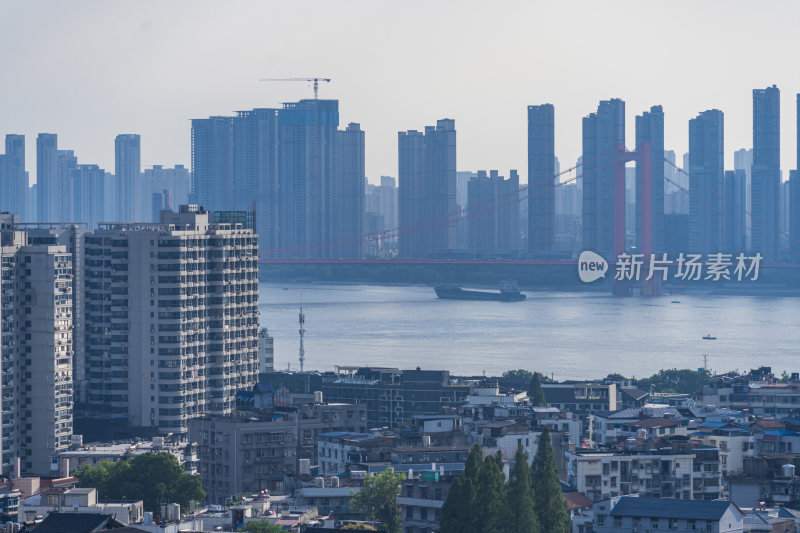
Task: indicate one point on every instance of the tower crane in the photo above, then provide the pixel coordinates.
(315, 81)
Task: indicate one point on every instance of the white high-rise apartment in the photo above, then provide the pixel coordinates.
(36, 350)
(171, 318)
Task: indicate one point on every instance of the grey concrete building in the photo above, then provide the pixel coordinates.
(71, 237)
(36, 349)
(421, 500)
(243, 454)
(171, 319)
(633, 514)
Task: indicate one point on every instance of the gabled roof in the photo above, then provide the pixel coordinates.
(769, 424)
(634, 393)
(655, 423)
(788, 513)
(328, 492)
(576, 500)
(77, 523)
(669, 508)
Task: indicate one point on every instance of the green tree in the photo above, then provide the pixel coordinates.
(551, 510)
(489, 504)
(458, 514)
(261, 526)
(535, 392)
(152, 478)
(95, 476)
(520, 512)
(473, 464)
(684, 381)
(519, 373)
(377, 499)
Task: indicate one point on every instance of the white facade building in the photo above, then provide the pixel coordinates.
(603, 475)
(36, 350)
(171, 319)
(266, 351)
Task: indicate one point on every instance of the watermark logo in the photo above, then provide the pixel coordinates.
(684, 267)
(591, 266)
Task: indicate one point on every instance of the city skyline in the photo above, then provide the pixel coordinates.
(203, 75)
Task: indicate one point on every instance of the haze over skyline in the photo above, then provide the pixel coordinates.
(149, 67)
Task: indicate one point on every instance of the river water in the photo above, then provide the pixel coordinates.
(571, 335)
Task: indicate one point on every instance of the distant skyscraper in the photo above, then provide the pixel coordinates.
(255, 171)
(650, 134)
(706, 190)
(794, 201)
(162, 201)
(427, 189)
(387, 193)
(127, 168)
(67, 163)
(766, 173)
(350, 207)
(212, 163)
(47, 178)
(176, 182)
(743, 160)
(493, 223)
(794, 216)
(676, 197)
(286, 163)
(309, 178)
(602, 132)
(541, 178)
(88, 194)
(785, 200)
(462, 192)
(381, 216)
(734, 220)
(13, 178)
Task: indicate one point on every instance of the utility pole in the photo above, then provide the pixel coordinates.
(302, 319)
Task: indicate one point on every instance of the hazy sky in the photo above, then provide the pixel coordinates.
(89, 70)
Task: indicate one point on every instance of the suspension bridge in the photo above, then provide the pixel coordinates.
(616, 157)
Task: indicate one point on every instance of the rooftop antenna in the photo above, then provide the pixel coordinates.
(302, 319)
(705, 361)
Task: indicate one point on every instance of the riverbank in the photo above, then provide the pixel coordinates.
(558, 277)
